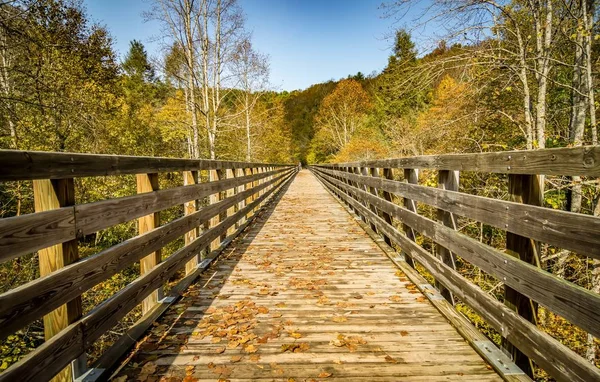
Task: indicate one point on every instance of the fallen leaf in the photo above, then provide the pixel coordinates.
(324, 374)
(403, 333)
(295, 335)
(148, 368)
(250, 349)
(236, 358)
(390, 359)
(339, 319)
(220, 350)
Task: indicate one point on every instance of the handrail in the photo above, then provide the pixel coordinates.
(583, 160)
(28, 165)
(369, 188)
(237, 191)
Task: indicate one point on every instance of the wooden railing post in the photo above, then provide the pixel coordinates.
(239, 172)
(49, 195)
(189, 178)
(229, 174)
(522, 189)
(387, 173)
(215, 175)
(369, 171)
(149, 183)
(410, 176)
(447, 180)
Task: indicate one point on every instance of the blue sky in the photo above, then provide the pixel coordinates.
(308, 41)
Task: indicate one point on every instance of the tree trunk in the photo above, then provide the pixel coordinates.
(588, 20)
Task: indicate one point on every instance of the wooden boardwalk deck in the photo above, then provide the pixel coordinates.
(304, 295)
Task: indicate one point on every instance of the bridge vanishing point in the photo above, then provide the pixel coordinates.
(287, 274)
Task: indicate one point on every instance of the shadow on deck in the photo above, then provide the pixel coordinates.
(304, 294)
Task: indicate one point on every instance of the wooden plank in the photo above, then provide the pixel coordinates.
(58, 352)
(576, 304)
(27, 233)
(49, 195)
(149, 183)
(576, 232)
(584, 161)
(24, 304)
(25, 165)
(558, 360)
(522, 189)
(190, 178)
(458, 321)
(447, 180)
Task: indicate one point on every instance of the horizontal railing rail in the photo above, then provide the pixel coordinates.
(370, 190)
(28, 165)
(237, 191)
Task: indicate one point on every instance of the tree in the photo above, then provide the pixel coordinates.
(136, 63)
(252, 69)
(342, 112)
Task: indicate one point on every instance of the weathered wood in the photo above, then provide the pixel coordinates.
(576, 304)
(26, 165)
(554, 357)
(387, 173)
(214, 175)
(430, 349)
(94, 324)
(447, 180)
(473, 336)
(49, 195)
(24, 304)
(149, 183)
(583, 161)
(230, 174)
(189, 178)
(410, 176)
(522, 189)
(56, 226)
(576, 232)
(124, 344)
(370, 172)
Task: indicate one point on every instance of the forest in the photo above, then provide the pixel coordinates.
(515, 74)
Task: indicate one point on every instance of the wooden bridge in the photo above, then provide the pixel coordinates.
(327, 273)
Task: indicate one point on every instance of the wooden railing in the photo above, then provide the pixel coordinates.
(236, 190)
(368, 188)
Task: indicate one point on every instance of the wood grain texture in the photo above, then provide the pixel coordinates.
(49, 195)
(558, 360)
(576, 304)
(411, 176)
(522, 189)
(560, 161)
(466, 329)
(60, 350)
(191, 178)
(149, 183)
(447, 180)
(27, 233)
(22, 305)
(269, 268)
(577, 232)
(25, 165)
